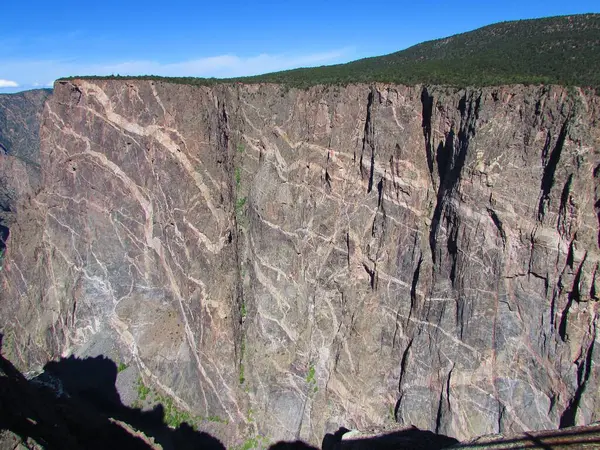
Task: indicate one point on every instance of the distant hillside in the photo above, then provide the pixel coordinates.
(556, 50)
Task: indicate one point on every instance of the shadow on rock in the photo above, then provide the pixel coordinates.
(411, 438)
(74, 404)
(296, 445)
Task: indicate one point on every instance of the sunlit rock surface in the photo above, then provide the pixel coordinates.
(292, 261)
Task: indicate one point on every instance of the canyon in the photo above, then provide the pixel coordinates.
(281, 262)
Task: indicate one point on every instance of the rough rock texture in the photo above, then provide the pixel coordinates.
(19, 123)
(295, 261)
(20, 116)
(567, 438)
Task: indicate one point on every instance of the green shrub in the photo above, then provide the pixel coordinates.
(142, 390)
(242, 354)
(173, 416)
(310, 377)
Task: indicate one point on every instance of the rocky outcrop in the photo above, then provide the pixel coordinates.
(293, 261)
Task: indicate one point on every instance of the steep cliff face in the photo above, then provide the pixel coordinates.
(293, 261)
(20, 116)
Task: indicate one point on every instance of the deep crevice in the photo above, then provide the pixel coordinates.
(403, 363)
(327, 176)
(456, 157)
(372, 276)
(380, 187)
(584, 369)
(226, 156)
(438, 417)
(498, 224)
(348, 247)
(574, 295)
(413, 287)
(448, 388)
(562, 225)
(426, 114)
(369, 139)
(593, 293)
(550, 167)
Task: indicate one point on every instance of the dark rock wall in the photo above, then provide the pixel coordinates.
(20, 116)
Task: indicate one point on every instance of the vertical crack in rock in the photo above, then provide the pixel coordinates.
(448, 388)
(438, 417)
(555, 295)
(327, 176)
(501, 413)
(550, 166)
(348, 248)
(73, 311)
(380, 192)
(369, 139)
(571, 254)
(226, 156)
(444, 154)
(559, 286)
(403, 364)
(584, 369)
(452, 163)
(593, 291)
(566, 201)
(378, 236)
(453, 227)
(444, 400)
(498, 224)
(574, 295)
(426, 114)
(372, 276)
(413, 287)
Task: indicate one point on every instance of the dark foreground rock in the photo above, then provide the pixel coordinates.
(74, 405)
(567, 438)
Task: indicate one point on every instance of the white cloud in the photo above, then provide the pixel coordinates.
(8, 84)
(29, 72)
(222, 66)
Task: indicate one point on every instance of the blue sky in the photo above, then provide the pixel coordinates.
(41, 41)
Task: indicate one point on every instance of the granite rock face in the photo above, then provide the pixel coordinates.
(295, 261)
(20, 116)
